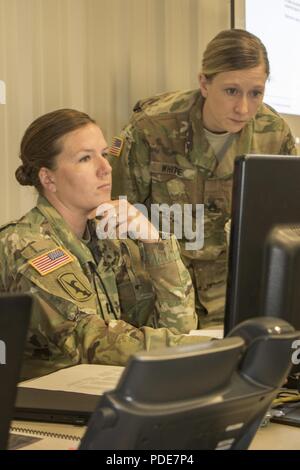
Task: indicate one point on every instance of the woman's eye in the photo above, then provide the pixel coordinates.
(86, 158)
(231, 91)
(256, 93)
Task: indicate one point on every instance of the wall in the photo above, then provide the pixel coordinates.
(99, 56)
(95, 55)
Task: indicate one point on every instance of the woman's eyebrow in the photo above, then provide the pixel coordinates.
(84, 150)
(105, 149)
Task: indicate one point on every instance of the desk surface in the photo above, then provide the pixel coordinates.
(277, 437)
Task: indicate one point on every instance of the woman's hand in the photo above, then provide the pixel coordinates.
(120, 219)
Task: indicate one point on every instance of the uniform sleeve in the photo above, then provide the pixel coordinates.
(175, 301)
(288, 146)
(115, 342)
(4, 270)
(55, 341)
(131, 174)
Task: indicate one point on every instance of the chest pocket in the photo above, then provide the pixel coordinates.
(66, 286)
(175, 182)
(217, 202)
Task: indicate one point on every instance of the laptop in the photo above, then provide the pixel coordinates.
(67, 396)
(54, 406)
(15, 310)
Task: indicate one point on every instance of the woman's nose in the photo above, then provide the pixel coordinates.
(104, 167)
(242, 105)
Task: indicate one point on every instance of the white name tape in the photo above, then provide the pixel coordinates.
(2, 92)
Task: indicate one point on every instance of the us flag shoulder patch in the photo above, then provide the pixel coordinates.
(116, 147)
(51, 260)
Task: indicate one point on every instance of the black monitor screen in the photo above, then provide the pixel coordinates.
(264, 252)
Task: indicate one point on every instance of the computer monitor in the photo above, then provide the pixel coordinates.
(213, 395)
(264, 251)
(15, 311)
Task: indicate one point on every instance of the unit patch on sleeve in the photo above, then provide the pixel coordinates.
(74, 286)
(51, 260)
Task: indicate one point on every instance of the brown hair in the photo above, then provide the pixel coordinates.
(40, 144)
(233, 49)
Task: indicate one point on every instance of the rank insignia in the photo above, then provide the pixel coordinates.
(74, 286)
(51, 260)
(116, 147)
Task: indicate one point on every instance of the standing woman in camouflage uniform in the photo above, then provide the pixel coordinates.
(179, 148)
(92, 305)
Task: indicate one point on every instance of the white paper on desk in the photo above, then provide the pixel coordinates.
(211, 332)
(94, 379)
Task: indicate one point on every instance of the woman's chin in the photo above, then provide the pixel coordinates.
(92, 214)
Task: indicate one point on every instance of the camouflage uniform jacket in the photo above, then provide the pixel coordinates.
(166, 158)
(95, 308)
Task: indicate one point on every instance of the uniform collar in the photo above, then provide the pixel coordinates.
(202, 154)
(62, 230)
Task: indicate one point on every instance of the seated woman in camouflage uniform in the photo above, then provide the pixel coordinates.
(179, 148)
(93, 305)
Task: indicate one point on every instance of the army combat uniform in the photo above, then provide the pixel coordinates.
(165, 156)
(93, 306)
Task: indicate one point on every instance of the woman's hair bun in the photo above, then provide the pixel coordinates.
(23, 175)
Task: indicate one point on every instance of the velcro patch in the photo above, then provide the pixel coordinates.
(116, 147)
(51, 260)
(74, 286)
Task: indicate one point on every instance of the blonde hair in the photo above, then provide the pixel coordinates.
(234, 49)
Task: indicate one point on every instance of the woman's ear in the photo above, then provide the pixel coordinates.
(203, 81)
(47, 179)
